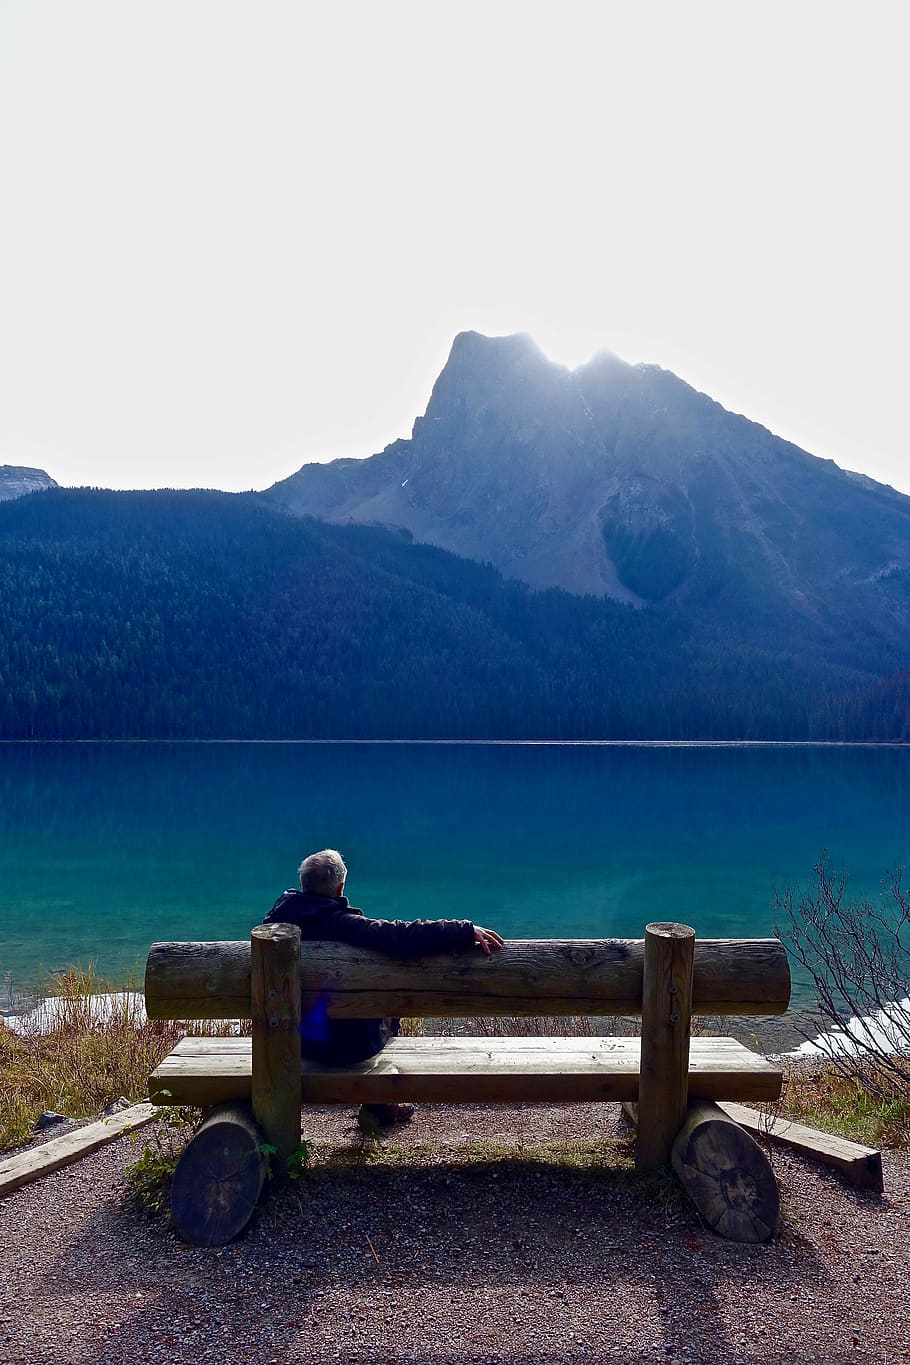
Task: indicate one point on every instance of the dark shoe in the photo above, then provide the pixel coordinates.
(373, 1116)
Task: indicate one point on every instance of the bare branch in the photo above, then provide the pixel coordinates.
(858, 956)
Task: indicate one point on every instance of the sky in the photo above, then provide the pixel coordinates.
(235, 238)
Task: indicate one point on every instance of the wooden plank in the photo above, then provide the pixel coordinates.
(25, 1167)
(663, 1094)
(424, 1051)
(861, 1166)
(528, 977)
(209, 1047)
(469, 1070)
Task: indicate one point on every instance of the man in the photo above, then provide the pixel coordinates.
(322, 911)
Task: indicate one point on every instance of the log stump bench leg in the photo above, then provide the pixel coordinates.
(724, 1172)
(726, 1175)
(219, 1177)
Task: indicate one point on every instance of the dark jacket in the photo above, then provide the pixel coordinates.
(343, 1041)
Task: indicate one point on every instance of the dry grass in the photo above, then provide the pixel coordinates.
(100, 1046)
(867, 1106)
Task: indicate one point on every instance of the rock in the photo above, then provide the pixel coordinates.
(115, 1106)
(18, 480)
(48, 1119)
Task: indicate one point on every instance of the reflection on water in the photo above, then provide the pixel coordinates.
(104, 848)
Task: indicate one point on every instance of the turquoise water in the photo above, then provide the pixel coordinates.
(105, 848)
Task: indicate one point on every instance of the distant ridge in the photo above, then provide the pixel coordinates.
(17, 480)
(722, 583)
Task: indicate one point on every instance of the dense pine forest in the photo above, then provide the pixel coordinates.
(208, 615)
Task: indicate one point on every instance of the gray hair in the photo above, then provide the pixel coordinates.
(323, 872)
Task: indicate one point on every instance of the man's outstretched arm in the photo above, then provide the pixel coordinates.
(411, 938)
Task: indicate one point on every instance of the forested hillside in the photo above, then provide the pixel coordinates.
(208, 615)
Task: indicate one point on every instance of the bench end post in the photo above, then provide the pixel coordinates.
(276, 1096)
(666, 1020)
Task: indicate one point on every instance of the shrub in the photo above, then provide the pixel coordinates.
(149, 1176)
(857, 953)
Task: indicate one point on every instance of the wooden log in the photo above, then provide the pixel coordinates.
(276, 1037)
(198, 980)
(529, 977)
(663, 1092)
(219, 1177)
(726, 1175)
(860, 1166)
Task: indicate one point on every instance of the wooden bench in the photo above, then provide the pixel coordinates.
(254, 1087)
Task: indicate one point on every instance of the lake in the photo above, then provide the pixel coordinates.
(105, 847)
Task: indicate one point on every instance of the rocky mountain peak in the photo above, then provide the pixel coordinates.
(506, 372)
(612, 479)
(17, 480)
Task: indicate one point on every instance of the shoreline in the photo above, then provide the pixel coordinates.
(523, 743)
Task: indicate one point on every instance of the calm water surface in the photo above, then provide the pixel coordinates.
(104, 848)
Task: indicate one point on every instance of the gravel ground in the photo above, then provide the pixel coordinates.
(459, 1242)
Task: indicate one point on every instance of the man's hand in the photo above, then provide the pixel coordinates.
(487, 939)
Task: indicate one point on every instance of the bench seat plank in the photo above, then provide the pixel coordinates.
(205, 1071)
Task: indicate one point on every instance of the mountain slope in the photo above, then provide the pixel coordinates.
(625, 482)
(203, 614)
(206, 615)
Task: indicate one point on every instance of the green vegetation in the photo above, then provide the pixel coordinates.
(857, 952)
(149, 1176)
(90, 1057)
(205, 615)
(858, 955)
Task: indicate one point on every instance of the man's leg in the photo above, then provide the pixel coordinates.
(375, 1116)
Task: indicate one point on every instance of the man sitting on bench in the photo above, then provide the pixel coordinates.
(322, 911)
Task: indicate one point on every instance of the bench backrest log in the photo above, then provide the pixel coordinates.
(529, 977)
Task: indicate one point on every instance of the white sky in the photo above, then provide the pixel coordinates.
(238, 237)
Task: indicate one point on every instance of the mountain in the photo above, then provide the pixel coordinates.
(736, 587)
(623, 481)
(17, 480)
(174, 615)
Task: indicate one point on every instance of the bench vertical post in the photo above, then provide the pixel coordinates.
(275, 982)
(666, 1011)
